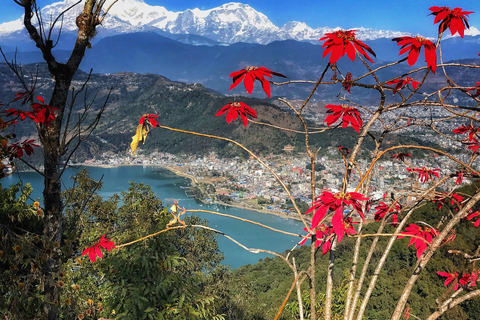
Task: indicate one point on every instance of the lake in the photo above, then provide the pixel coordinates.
(167, 186)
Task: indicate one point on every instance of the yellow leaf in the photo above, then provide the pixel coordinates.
(139, 136)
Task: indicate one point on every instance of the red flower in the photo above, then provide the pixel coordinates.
(413, 46)
(336, 202)
(406, 314)
(382, 210)
(402, 83)
(347, 83)
(343, 41)
(250, 74)
(401, 156)
(455, 200)
(22, 114)
(473, 145)
(469, 279)
(460, 175)
(26, 146)
(470, 129)
(476, 224)
(95, 251)
(43, 112)
(348, 224)
(344, 150)
(424, 174)
(349, 115)
(150, 118)
(450, 277)
(324, 237)
(454, 19)
(425, 233)
(477, 88)
(237, 108)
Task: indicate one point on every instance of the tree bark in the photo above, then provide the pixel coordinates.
(50, 134)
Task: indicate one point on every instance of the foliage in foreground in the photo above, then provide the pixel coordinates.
(171, 276)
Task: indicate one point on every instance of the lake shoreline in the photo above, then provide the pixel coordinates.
(194, 181)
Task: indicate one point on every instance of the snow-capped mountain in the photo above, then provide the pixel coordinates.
(229, 23)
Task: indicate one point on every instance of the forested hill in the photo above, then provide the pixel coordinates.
(185, 106)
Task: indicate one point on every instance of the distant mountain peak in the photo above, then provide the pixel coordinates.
(229, 23)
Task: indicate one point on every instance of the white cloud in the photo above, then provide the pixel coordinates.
(473, 31)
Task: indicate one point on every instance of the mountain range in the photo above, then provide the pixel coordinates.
(205, 46)
(229, 23)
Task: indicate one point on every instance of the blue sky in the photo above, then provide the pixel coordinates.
(403, 15)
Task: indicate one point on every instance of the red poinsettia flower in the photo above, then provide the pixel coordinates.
(336, 202)
(473, 215)
(425, 174)
(44, 113)
(26, 146)
(450, 277)
(401, 156)
(413, 46)
(250, 74)
(349, 115)
(26, 96)
(347, 83)
(455, 200)
(344, 150)
(94, 251)
(383, 209)
(406, 313)
(150, 118)
(477, 88)
(469, 279)
(343, 41)
(470, 129)
(455, 19)
(474, 145)
(19, 113)
(425, 233)
(324, 237)
(460, 175)
(402, 83)
(348, 226)
(234, 109)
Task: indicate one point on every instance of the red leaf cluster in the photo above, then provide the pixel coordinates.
(343, 41)
(402, 83)
(473, 215)
(425, 234)
(150, 119)
(350, 115)
(455, 200)
(425, 174)
(450, 277)
(383, 209)
(413, 46)
(94, 251)
(460, 175)
(477, 88)
(401, 156)
(233, 109)
(323, 236)
(44, 113)
(336, 203)
(455, 19)
(470, 129)
(250, 74)
(18, 148)
(468, 279)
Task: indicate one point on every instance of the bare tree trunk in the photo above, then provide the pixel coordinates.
(50, 134)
